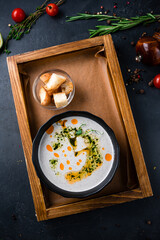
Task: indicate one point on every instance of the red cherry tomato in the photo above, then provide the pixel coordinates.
(156, 81)
(18, 15)
(52, 9)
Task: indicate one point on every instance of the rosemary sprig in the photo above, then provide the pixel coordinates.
(116, 23)
(85, 16)
(19, 29)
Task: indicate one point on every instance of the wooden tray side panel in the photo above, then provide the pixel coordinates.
(56, 50)
(26, 138)
(92, 204)
(127, 116)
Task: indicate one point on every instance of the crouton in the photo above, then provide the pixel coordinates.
(54, 82)
(45, 99)
(60, 99)
(45, 77)
(67, 87)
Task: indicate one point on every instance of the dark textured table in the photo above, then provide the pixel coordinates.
(135, 220)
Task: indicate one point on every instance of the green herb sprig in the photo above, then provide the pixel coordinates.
(19, 29)
(115, 23)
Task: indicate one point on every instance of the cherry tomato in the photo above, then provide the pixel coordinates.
(156, 81)
(18, 15)
(52, 9)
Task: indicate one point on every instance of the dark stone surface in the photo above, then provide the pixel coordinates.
(125, 221)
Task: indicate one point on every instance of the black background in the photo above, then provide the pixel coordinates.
(125, 221)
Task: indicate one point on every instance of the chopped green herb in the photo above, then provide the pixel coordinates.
(56, 145)
(79, 132)
(53, 163)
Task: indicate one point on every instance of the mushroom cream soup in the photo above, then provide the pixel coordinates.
(76, 154)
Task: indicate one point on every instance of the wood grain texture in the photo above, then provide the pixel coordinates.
(88, 205)
(122, 103)
(56, 50)
(26, 138)
(127, 116)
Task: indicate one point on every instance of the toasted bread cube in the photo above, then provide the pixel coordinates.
(60, 99)
(45, 77)
(67, 87)
(45, 99)
(50, 92)
(54, 82)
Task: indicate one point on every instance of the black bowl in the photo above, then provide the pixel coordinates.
(44, 178)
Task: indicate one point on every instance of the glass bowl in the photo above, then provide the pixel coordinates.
(37, 84)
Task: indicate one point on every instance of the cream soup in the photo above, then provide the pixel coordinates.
(76, 154)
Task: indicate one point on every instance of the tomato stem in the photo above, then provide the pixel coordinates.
(49, 7)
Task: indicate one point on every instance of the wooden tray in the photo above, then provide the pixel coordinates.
(105, 96)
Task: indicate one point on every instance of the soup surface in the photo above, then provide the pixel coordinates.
(76, 154)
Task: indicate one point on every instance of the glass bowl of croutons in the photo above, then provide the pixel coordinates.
(53, 89)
